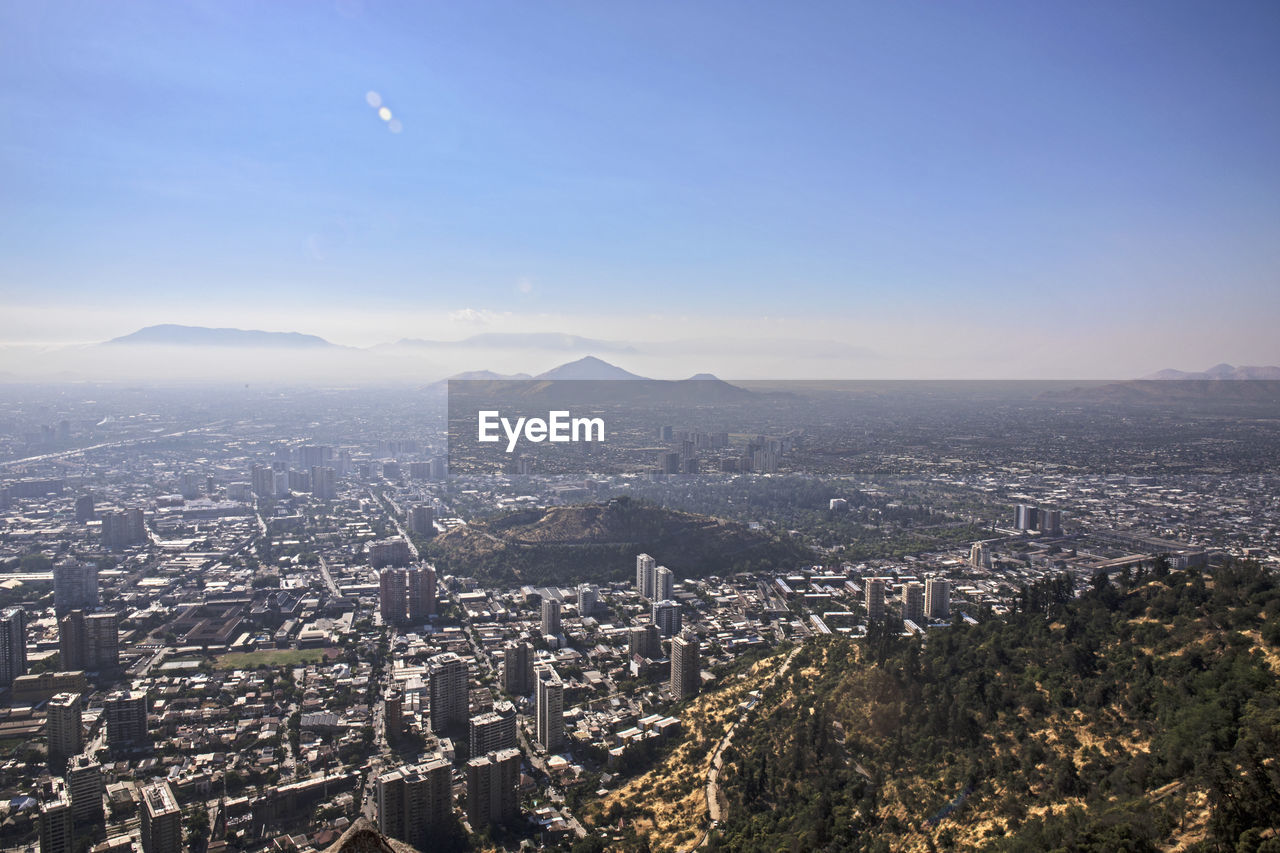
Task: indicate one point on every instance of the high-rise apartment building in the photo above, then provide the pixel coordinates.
(422, 519)
(448, 678)
(913, 602)
(263, 480)
(550, 709)
(389, 552)
(84, 509)
(517, 669)
(1051, 522)
(686, 670)
(492, 782)
(161, 820)
(75, 586)
(413, 801)
(550, 617)
(13, 644)
(422, 593)
(666, 615)
(645, 568)
(324, 483)
(645, 641)
(90, 642)
(937, 598)
(393, 594)
(57, 822)
(64, 729)
(494, 730)
(1026, 517)
(125, 715)
(873, 593)
(314, 455)
(980, 556)
(663, 583)
(393, 715)
(84, 780)
(588, 599)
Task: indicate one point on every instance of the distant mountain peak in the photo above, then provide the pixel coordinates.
(704, 377)
(172, 334)
(1219, 371)
(588, 367)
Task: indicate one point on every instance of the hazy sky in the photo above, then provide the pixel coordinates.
(1092, 188)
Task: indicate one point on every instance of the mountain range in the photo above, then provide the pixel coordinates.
(171, 334)
(1219, 371)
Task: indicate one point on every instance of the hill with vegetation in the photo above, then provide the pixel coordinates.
(1141, 716)
(599, 543)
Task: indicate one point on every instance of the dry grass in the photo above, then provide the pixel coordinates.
(668, 803)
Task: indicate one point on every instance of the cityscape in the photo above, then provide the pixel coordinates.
(825, 427)
(258, 620)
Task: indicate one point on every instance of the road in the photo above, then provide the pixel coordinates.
(395, 519)
(328, 578)
(62, 454)
(715, 798)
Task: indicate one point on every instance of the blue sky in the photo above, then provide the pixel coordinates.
(1095, 170)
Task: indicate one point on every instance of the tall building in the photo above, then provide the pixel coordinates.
(57, 822)
(84, 509)
(517, 671)
(588, 598)
(393, 715)
(422, 518)
(494, 730)
(686, 670)
(913, 602)
(324, 483)
(550, 709)
(84, 779)
(550, 617)
(492, 781)
(75, 586)
(422, 593)
(122, 529)
(389, 552)
(263, 480)
(414, 800)
(71, 645)
(393, 594)
(666, 615)
(1051, 522)
(102, 641)
(937, 598)
(161, 820)
(314, 455)
(645, 569)
(663, 583)
(873, 592)
(125, 714)
(980, 556)
(89, 642)
(64, 729)
(13, 644)
(1026, 517)
(448, 677)
(645, 641)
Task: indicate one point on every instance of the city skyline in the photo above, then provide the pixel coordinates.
(983, 191)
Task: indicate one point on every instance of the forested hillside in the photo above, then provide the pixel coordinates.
(599, 543)
(1143, 715)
